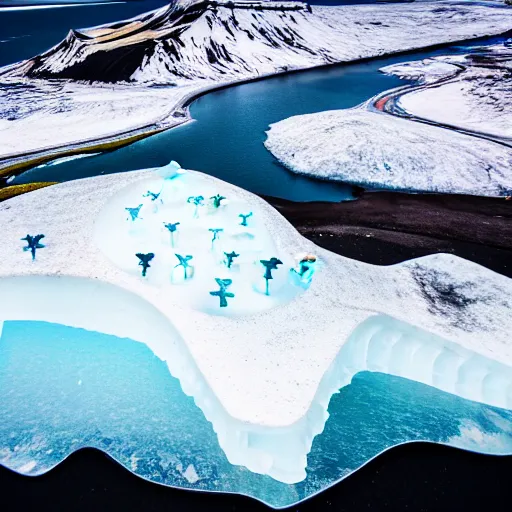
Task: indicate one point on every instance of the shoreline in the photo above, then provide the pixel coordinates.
(386, 102)
(17, 163)
(386, 228)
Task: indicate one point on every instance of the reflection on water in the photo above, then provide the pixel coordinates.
(65, 388)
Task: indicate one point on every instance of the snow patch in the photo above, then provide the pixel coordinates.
(381, 151)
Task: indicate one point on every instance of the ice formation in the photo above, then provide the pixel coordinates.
(262, 374)
(193, 260)
(382, 151)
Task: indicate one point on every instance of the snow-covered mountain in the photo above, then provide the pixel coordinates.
(193, 39)
(225, 41)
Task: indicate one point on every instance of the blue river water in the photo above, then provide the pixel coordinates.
(226, 138)
(227, 134)
(65, 388)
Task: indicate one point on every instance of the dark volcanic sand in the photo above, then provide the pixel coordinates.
(385, 228)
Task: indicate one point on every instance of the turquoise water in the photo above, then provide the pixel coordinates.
(65, 388)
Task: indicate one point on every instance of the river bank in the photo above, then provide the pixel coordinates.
(384, 228)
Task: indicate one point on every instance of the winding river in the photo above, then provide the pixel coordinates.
(226, 137)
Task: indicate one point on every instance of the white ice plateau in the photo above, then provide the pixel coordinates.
(264, 368)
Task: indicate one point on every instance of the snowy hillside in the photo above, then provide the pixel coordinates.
(383, 151)
(223, 40)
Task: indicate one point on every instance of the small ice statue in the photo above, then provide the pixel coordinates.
(155, 198)
(184, 262)
(144, 261)
(230, 256)
(215, 232)
(307, 267)
(172, 227)
(217, 200)
(244, 218)
(269, 265)
(134, 213)
(33, 244)
(153, 195)
(170, 171)
(197, 201)
(222, 293)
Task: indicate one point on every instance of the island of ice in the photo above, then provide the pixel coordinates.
(263, 368)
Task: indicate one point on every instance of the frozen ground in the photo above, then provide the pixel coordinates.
(46, 113)
(478, 99)
(264, 379)
(382, 151)
(193, 46)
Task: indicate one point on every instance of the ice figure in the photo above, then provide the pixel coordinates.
(307, 267)
(183, 262)
(170, 171)
(197, 201)
(33, 244)
(153, 195)
(215, 232)
(230, 256)
(244, 218)
(222, 293)
(134, 213)
(144, 261)
(172, 227)
(269, 265)
(217, 200)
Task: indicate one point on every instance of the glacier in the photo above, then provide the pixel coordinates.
(439, 320)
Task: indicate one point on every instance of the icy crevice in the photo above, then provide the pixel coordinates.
(101, 307)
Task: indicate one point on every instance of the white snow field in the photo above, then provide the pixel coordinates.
(191, 45)
(263, 379)
(382, 151)
(423, 71)
(479, 98)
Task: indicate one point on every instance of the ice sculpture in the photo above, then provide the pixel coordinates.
(197, 201)
(272, 437)
(184, 262)
(215, 232)
(270, 265)
(222, 293)
(170, 171)
(230, 256)
(172, 227)
(216, 199)
(244, 218)
(153, 195)
(144, 261)
(134, 212)
(306, 268)
(33, 243)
